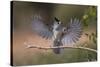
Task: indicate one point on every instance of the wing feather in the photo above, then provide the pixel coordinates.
(74, 32)
(40, 28)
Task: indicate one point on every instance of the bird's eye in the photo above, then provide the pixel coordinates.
(59, 22)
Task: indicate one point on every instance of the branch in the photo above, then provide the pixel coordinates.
(73, 47)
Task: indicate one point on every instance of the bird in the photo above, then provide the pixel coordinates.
(58, 33)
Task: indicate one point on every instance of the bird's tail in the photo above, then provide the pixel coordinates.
(57, 50)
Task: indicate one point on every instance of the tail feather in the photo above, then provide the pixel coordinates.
(57, 50)
(56, 44)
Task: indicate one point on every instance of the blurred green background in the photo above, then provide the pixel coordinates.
(22, 16)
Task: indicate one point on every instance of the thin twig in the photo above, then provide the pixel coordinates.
(73, 47)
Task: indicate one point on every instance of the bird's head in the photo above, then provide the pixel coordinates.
(57, 21)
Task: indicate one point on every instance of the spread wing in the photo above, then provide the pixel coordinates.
(73, 32)
(40, 28)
